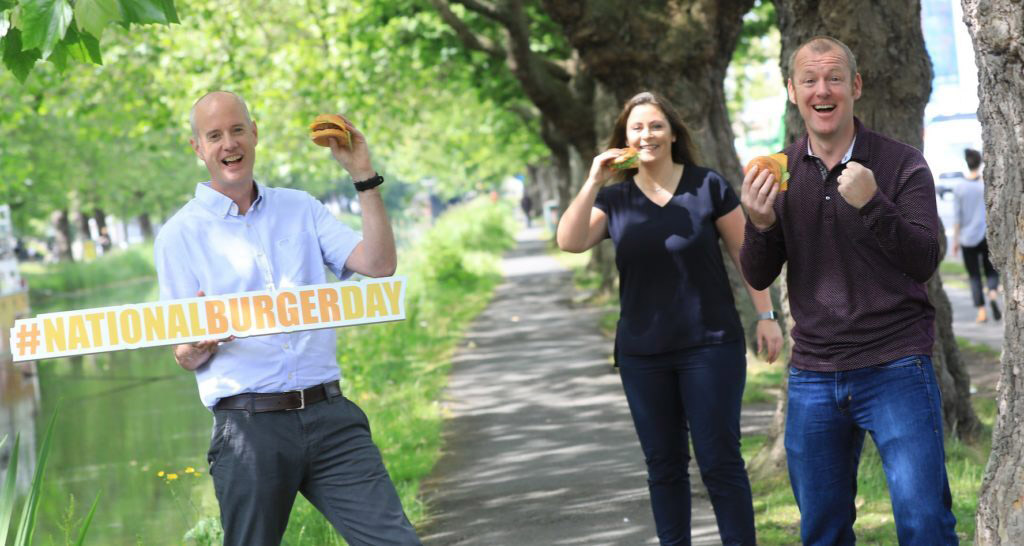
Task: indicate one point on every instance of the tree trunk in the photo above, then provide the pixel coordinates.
(101, 226)
(885, 35)
(997, 29)
(61, 235)
(145, 226)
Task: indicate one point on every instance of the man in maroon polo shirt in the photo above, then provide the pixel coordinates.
(858, 227)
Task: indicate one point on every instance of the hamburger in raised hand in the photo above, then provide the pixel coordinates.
(328, 126)
(627, 160)
(776, 164)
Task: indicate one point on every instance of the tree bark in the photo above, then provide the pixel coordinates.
(101, 226)
(997, 29)
(883, 36)
(61, 235)
(145, 226)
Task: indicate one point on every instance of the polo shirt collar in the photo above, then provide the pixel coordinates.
(222, 205)
(859, 147)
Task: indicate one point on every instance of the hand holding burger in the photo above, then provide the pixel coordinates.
(328, 126)
(757, 194)
(776, 164)
(347, 144)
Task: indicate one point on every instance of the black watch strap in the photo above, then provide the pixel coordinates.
(369, 183)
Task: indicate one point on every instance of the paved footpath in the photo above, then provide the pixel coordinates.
(540, 448)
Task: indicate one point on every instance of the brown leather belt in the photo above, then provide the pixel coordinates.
(280, 401)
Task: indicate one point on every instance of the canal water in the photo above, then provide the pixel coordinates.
(123, 418)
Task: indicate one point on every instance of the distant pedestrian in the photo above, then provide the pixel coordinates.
(679, 342)
(969, 234)
(527, 205)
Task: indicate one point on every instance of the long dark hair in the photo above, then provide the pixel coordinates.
(683, 149)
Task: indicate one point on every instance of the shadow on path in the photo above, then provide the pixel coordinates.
(540, 449)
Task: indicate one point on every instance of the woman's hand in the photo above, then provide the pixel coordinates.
(769, 339)
(600, 170)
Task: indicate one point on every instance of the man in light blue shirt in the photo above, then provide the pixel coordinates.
(281, 423)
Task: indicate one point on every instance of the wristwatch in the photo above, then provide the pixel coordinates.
(369, 183)
(767, 315)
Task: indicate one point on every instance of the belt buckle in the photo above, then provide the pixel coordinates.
(302, 401)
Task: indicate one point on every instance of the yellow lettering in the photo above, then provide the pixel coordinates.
(97, 333)
(241, 315)
(216, 322)
(153, 319)
(193, 319)
(115, 338)
(306, 305)
(77, 338)
(375, 306)
(263, 307)
(53, 329)
(329, 310)
(352, 302)
(177, 325)
(287, 315)
(131, 326)
(394, 291)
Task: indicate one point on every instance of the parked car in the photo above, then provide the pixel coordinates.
(945, 138)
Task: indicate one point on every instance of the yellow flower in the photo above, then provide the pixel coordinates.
(197, 474)
(160, 474)
(189, 470)
(172, 477)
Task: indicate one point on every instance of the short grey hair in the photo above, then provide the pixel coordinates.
(192, 113)
(821, 44)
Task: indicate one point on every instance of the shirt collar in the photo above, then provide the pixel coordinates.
(222, 205)
(861, 153)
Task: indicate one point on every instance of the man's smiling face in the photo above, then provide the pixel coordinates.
(225, 139)
(824, 90)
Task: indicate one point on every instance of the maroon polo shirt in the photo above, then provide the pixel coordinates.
(855, 277)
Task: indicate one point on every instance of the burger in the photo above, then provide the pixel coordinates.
(328, 126)
(627, 160)
(776, 164)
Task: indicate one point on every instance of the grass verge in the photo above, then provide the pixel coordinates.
(117, 267)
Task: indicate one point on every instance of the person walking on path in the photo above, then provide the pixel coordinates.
(858, 228)
(281, 423)
(679, 342)
(969, 235)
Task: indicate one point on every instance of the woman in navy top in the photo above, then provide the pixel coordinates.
(679, 342)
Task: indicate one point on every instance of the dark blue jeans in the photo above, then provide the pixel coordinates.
(828, 414)
(694, 392)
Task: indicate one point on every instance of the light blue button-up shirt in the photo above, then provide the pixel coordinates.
(284, 240)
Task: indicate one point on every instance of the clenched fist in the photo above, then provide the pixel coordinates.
(857, 184)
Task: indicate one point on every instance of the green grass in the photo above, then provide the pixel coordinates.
(396, 372)
(114, 268)
(952, 267)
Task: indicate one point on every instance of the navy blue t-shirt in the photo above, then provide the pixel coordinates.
(673, 287)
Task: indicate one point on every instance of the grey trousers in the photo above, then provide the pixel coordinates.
(259, 461)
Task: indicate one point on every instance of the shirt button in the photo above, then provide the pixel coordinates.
(827, 198)
(286, 346)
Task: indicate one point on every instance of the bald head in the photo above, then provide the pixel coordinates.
(824, 44)
(208, 99)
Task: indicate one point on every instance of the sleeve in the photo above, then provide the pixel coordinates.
(723, 197)
(763, 254)
(907, 226)
(337, 241)
(601, 202)
(958, 207)
(175, 277)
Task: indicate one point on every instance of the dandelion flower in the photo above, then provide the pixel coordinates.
(197, 474)
(160, 474)
(172, 476)
(189, 470)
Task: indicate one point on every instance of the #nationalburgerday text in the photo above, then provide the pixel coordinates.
(245, 314)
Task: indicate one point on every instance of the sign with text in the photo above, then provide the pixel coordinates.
(312, 307)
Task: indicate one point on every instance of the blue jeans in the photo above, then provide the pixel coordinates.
(693, 392)
(828, 414)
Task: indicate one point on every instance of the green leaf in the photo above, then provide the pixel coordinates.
(7, 494)
(44, 23)
(93, 16)
(17, 61)
(59, 57)
(170, 12)
(4, 4)
(82, 46)
(27, 525)
(88, 520)
(143, 11)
